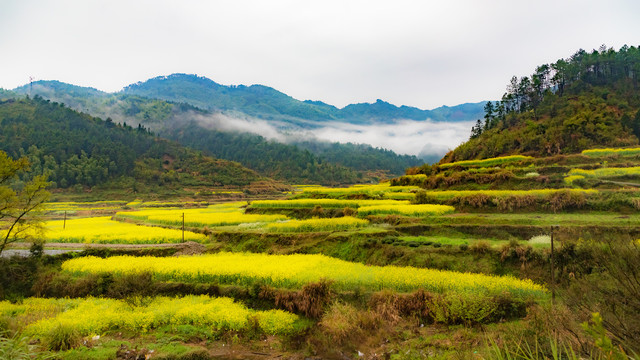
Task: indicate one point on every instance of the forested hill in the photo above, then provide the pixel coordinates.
(268, 103)
(310, 162)
(76, 149)
(591, 99)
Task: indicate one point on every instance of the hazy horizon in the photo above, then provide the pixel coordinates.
(414, 53)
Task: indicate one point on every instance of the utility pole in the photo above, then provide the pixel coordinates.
(182, 227)
(553, 282)
(64, 222)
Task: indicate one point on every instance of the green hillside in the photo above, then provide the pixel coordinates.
(328, 164)
(78, 150)
(588, 100)
(280, 161)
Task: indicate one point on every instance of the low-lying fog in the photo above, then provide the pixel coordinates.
(425, 139)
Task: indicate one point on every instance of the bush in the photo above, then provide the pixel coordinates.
(390, 306)
(389, 239)
(340, 322)
(476, 201)
(311, 301)
(62, 337)
(317, 211)
(131, 285)
(515, 202)
(465, 309)
(475, 308)
(480, 247)
(17, 275)
(563, 200)
(422, 197)
(613, 290)
(349, 211)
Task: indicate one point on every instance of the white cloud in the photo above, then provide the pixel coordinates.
(420, 138)
(238, 123)
(404, 137)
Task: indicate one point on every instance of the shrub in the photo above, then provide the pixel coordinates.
(514, 251)
(423, 197)
(310, 301)
(514, 202)
(62, 337)
(480, 247)
(566, 199)
(477, 200)
(389, 239)
(392, 219)
(317, 211)
(132, 285)
(391, 306)
(347, 211)
(613, 290)
(475, 308)
(340, 322)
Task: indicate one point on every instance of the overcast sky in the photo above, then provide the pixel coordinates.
(418, 53)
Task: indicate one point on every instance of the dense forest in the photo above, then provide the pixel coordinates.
(590, 99)
(76, 149)
(361, 157)
(273, 159)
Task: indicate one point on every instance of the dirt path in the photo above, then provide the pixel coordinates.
(189, 247)
(622, 183)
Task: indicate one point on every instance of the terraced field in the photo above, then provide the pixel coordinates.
(368, 258)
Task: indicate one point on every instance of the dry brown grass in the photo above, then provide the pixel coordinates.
(392, 307)
(311, 301)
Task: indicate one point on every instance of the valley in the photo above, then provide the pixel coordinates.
(522, 243)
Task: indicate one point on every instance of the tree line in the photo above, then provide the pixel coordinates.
(589, 100)
(76, 149)
(564, 77)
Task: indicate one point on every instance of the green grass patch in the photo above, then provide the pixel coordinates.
(438, 241)
(539, 219)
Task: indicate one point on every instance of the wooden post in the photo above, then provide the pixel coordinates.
(553, 282)
(64, 222)
(182, 227)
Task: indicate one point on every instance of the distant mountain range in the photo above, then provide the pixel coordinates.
(262, 128)
(268, 103)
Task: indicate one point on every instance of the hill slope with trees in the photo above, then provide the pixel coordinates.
(308, 162)
(588, 100)
(76, 149)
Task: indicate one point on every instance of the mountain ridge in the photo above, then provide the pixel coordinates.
(264, 102)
